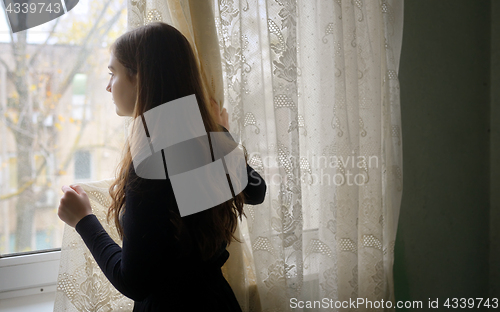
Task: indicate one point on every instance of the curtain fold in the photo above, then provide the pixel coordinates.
(312, 91)
(81, 285)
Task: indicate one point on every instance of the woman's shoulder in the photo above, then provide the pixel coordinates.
(137, 183)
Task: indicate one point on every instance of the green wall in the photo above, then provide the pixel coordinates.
(443, 240)
(495, 152)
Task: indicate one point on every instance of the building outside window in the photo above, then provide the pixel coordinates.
(83, 170)
(80, 103)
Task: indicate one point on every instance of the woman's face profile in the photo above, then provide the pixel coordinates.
(122, 88)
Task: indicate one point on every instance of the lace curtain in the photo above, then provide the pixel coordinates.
(311, 88)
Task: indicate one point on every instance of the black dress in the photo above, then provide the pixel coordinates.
(152, 269)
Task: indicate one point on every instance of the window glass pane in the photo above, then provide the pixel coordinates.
(12, 172)
(79, 98)
(82, 165)
(58, 124)
(79, 84)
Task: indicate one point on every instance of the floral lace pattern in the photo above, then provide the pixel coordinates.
(309, 81)
(81, 285)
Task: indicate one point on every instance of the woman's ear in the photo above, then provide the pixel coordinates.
(133, 79)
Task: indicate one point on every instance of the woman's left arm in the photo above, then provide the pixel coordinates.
(255, 191)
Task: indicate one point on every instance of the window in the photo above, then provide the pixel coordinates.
(79, 100)
(82, 165)
(61, 101)
(72, 123)
(12, 172)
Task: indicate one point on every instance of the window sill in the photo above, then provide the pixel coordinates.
(31, 274)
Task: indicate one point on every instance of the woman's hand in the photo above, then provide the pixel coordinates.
(221, 117)
(74, 205)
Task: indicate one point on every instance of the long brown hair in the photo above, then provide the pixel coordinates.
(166, 69)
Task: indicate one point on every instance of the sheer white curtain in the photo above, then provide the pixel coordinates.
(312, 90)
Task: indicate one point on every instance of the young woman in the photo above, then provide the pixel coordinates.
(166, 263)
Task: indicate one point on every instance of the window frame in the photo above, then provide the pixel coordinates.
(28, 274)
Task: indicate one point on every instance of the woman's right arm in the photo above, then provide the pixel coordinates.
(147, 250)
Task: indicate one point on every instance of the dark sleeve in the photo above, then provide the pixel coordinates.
(133, 269)
(148, 246)
(255, 191)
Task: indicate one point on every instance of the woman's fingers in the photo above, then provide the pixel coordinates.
(65, 188)
(78, 189)
(215, 110)
(224, 118)
(221, 116)
(74, 205)
(213, 103)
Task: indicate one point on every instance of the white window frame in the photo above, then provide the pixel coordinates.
(29, 274)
